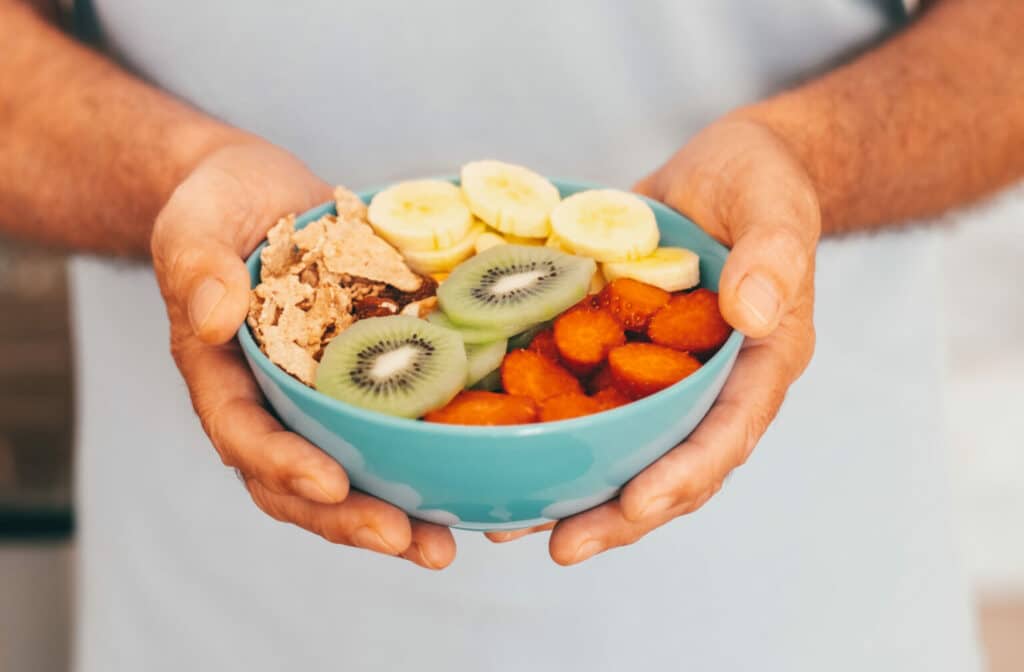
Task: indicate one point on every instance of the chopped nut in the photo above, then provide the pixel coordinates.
(375, 306)
(420, 308)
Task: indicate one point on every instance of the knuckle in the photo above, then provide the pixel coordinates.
(263, 501)
(791, 249)
(183, 262)
(806, 352)
(688, 491)
(212, 419)
(331, 532)
(760, 416)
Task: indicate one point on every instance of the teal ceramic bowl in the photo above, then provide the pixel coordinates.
(494, 478)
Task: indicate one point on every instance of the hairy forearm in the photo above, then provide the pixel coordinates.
(88, 154)
(932, 119)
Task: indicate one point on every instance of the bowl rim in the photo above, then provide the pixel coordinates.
(295, 388)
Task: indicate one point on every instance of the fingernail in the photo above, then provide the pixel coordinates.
(586, 549)
(760, 297)
(655, 506)
(369, 538)
(416, 551)
(204, 301)
(311, 489)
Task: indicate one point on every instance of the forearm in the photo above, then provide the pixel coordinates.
(88, 154)
(931, 119)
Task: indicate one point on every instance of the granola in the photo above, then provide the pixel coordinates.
(317, 281)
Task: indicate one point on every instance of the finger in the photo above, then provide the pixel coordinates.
(774, 223)
(647, 187)
(361, 520)
(690, 473)
(500, 537)
(600, 529)
(432, 546)
(228, 403)
(210, 223)
(210, 284)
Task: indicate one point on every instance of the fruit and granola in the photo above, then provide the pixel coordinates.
(491, 303)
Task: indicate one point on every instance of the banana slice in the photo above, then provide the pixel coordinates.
(553, 241)
(597, 282)
(487, 240)
(606, 224)
(522, 240)
(510, 198)
(443, 260)
(421, 215)
(671, 268)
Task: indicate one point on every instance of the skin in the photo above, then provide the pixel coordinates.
(917, 126)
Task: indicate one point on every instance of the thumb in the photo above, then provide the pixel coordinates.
(206, 281)
(774, 229)
(212, 221)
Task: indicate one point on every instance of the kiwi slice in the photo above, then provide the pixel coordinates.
(398, 365)
(514, 286)
(470, 335)
(484, 358)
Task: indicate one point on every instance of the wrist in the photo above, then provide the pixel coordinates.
(818, 142)
(189, 141)
(193, 140)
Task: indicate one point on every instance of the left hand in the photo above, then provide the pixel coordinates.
(742, 184)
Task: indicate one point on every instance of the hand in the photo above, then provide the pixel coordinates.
(215, 218)
(741, 184)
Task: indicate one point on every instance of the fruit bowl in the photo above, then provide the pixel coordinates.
(504, 477)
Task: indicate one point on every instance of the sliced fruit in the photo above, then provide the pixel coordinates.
(525, 337)
(523, 240)
(584, 338)
(566, 406)
(606, 225)
(511, 198)
(439, 277)
(544, 344)
(446, 258)
(533, 375)
(483, 358)
(470, 335)
(611, 397)
(633, 302)
(513, 287)
(588, 302)
(597, 282)
(478, 407)
(421, 215)
(690, 322)
(398, 365)
(640, 369)
(487, 240)
(555, 243)
(670, 268)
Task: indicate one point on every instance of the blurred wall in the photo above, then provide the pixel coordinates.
(984, 257)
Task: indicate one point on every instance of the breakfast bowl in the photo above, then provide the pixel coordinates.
(502, 477)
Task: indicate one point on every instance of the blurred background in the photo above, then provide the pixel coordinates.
(985, 453)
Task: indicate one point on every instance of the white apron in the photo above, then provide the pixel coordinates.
(831, 550)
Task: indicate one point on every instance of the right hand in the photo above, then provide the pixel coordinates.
(215, 217)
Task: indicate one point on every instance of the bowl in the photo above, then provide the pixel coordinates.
(508, 477)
